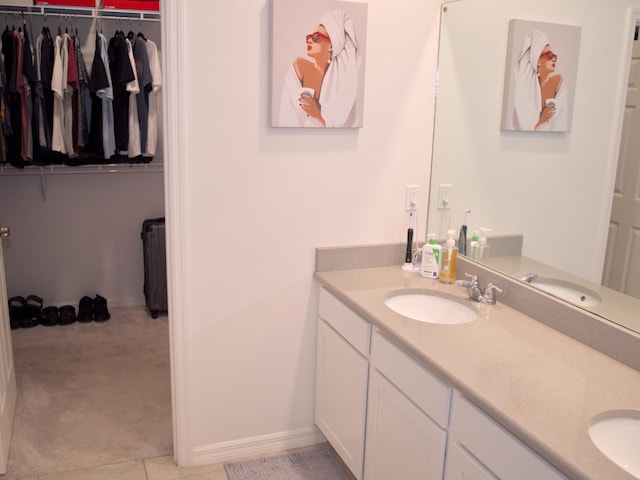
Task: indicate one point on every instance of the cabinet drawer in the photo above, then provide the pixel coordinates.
(347, 323)
(497, 449)
(422, 387)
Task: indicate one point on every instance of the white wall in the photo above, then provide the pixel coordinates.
(555, 188)
(259, 200)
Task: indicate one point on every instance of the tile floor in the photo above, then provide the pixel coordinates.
(161, 468)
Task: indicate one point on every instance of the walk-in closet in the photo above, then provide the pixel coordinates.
(76, 229)
(75, 218)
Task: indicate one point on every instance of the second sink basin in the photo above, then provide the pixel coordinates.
(431, 308)
(570, 292)
(618, 438)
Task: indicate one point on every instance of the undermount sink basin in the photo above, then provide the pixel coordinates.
(431, 308)
(618, 438)
(570, 292)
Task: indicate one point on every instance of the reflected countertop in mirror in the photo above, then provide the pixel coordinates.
(612, 305)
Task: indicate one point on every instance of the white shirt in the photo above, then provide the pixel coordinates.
(156, 75)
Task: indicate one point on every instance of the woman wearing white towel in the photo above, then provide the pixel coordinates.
(540, 97)
(320, 90)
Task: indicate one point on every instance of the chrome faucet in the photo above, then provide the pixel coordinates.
(488, 295)
(529, 277)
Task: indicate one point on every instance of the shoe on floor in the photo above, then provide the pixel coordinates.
(67, 315)
(85, 310)
(16, 311)
(50, 317)
(100, 311)
(32, 312)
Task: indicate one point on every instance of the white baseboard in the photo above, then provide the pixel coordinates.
(255, 446)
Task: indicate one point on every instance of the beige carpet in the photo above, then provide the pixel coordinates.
(91, 394)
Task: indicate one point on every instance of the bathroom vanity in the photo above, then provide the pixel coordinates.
(504, 396)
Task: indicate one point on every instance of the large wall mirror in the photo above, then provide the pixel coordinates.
(554, 189)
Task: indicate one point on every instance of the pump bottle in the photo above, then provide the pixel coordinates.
(483, 247)
(474, 249)
(431, 253)
(449, 259)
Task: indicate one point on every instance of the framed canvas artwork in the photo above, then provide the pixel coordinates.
(317, 63)
(540, 76)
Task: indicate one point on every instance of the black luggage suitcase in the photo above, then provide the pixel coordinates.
(155, 265)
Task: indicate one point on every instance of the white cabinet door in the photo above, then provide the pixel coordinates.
(341, 396)
(8, 391)
(462, 466)
(402, 441)
(498, 450)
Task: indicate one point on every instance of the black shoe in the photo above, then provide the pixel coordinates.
(100, 311)
(67, 315)
(32, 312)
(50, 317)
(85, 310)
(16, 311)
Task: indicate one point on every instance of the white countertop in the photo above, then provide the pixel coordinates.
(539, 384)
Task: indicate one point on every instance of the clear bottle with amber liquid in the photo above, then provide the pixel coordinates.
(448, 259)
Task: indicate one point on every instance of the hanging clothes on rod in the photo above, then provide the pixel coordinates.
(121, 74)
(59, 109)
(44, 54)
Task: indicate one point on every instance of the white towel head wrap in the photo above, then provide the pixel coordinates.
(340, 84)
(528, 98)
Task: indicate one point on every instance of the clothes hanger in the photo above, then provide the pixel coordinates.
(130, 35)
(140, 34)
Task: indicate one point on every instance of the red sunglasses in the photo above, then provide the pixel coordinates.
(315, 36)
(549, 55)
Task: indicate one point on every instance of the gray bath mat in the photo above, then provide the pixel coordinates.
(316, 464)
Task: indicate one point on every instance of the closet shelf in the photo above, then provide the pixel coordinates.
(9, 170)
(57, 10)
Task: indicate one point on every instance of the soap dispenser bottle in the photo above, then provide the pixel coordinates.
(431, 253)
(449, 259)
(483, 247)
(474, 245)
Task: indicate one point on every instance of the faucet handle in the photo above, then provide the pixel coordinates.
(473, 277)
(490, 292)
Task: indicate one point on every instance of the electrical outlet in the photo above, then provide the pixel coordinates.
(411, 197)
(444, 196)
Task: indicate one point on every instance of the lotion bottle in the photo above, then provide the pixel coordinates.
(474, 245)
(431, 253)
(483, 247)
(449, 259)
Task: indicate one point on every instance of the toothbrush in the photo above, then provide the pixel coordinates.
(407, 258)
(462, 240)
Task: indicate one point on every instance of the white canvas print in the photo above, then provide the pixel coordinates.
(540, 77)
(318, 53)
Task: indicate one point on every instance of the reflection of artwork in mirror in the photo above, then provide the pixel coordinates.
(540, 77)
(318, 53)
